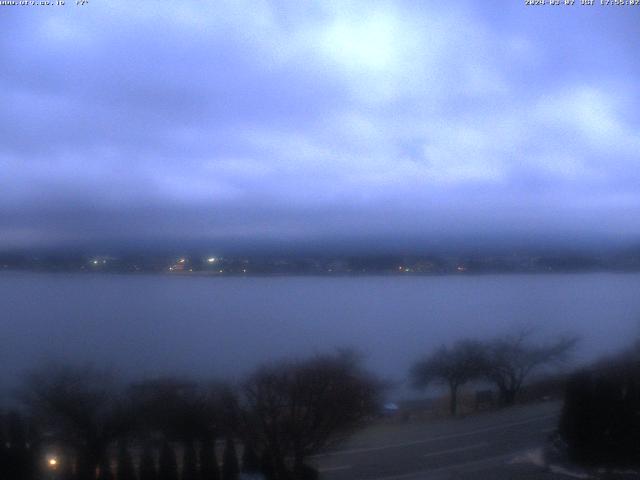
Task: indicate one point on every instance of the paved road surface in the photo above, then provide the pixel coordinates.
(477, 447)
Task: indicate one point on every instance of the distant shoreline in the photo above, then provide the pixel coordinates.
(204, 274)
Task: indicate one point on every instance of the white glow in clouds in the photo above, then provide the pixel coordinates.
(369, 41)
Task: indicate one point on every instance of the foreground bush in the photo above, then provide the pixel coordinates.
(94, 428)
(601, 418)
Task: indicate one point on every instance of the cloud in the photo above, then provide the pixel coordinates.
(340, 119)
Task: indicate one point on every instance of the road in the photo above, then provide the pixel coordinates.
(482, 446)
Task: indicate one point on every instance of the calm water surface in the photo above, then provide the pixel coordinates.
(225, 326)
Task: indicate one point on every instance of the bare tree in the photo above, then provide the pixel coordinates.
(183, 411)
(126, 469)
(167, 463)
(453, 366)
(512, 358)
(208, 461)
(147, 468)
(230, 467)
(179, 409)
(189, 462)
(82, 408)
(298, 408)
(18, 449)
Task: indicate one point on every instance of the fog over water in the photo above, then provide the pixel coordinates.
(222, 327)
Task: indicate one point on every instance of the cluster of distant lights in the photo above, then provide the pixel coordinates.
(210, 261)
(459, 268)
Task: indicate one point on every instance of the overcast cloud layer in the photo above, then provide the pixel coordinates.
(262, 120)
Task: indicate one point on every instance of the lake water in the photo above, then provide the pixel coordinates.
(225, 326)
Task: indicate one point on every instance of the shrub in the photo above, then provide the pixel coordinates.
(208, 461)
(601, 418)
(148, 470)
(168, 465)
(230, 468)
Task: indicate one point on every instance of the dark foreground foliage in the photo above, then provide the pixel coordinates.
(81, 424)
(292, 410)
(600, 422)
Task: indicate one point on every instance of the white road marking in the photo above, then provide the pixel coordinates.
(459, 449)
(434, 439)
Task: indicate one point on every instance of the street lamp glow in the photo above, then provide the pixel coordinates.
(211, 259)
(53, 462)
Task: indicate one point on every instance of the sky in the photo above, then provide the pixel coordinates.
(249, 122)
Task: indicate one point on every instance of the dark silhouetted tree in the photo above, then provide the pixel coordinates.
(189, 462)
(104, 469)
(512, 358)
(18, 458)
(178, 409)
(600, 422)
(453, 366)
(296, 409)
(82, 409)
(126, 470)
(67, 467)
(267, 465)
(4, 453)
(250, 459)
(148, 470)
(230, 470)
(184, 411)
(208, 461)
(168, 467)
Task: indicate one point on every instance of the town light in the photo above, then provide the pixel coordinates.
(211, 259)
(52, 462)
